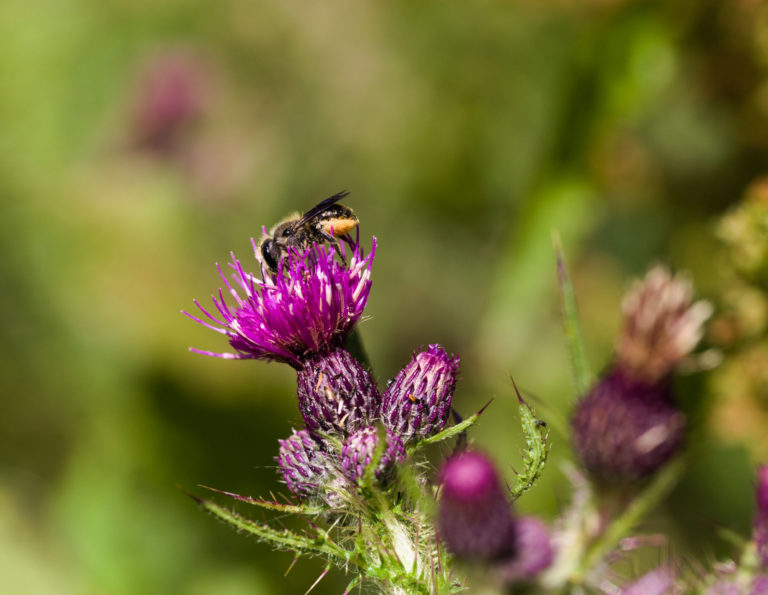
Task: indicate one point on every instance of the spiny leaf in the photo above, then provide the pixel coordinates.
(580, 367)
(451, 431)
(282, 539)
(536, 448)
(270, 505)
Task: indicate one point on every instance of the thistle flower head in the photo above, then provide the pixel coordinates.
(360, 447)
(658, 581)
(417, 403)
(474, 517)
(761, 518)
(661, 324)
(625, 429)
(309, 308)
(336, 394)
(304, 466)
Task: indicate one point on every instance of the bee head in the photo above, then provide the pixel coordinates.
(271, 253)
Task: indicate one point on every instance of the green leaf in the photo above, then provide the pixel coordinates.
(579, 365)
(303, 509)
(450, 432)
(281, 539)
(536, 450)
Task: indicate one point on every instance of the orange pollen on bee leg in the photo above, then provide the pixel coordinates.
(339, 227)
(412, 398)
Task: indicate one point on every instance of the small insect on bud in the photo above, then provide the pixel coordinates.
(336, 394)
(417, 402)
(303, 464)
(475, 519)
(359, 449)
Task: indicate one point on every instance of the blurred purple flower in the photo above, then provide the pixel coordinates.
(336, 394)
(171, 97)
(628, 426)
(658, 581)
(359, 449)
(474, 517)
(761, 517)
(534, 551)
(310, 308)
(303, 464)
(417, 403)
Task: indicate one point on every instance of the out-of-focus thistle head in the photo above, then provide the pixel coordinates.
(475, 519)
(336, 394)
(659, 581)
(359, 449)
(761, 517)
(534, 554)
(662, 325)
(304, 466)
(308, 309)
(628, 426)
(417, 402)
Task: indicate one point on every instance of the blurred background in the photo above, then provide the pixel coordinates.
(143, 141)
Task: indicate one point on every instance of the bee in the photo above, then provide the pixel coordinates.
(327, 221)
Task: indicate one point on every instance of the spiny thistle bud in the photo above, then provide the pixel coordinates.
(359, 449)
(625, 429)
(309, 308)
(627, 426)
(303, 464)
(761, 518)
(336, 394)
(417, 403)
(474, 517)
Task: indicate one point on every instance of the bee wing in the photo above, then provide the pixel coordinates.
(319, 208)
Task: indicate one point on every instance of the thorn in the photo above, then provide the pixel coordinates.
(319, 578)
(291, 565)
(200, 501)
(517, 392)
(484, 407)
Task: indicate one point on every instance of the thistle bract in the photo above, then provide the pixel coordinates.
(359, 449)
(625, 429)
(475, 519)
(303, 464)
(336, 394)
(309, 307)
(418, 401)
(533, 553)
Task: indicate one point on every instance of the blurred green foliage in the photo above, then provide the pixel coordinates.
(466, 131)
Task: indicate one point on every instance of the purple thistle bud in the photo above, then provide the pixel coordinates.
(336, 394)
(534, 552)
(310, 308)
(625, 429)
(760, 585)
(474, 517)
(627, 426)
(360, 447)
(303, 465)
(761, 518)
(417, 403)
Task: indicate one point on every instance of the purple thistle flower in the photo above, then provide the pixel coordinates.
(303, 464)
(336, 394)
(474, 517)
(359, 449)
(761, 518)
(627, 426)
(310, 308)
(417, 403)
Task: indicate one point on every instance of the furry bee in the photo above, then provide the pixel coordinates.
(327, 221)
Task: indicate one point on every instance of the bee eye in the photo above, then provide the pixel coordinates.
(271, 253)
